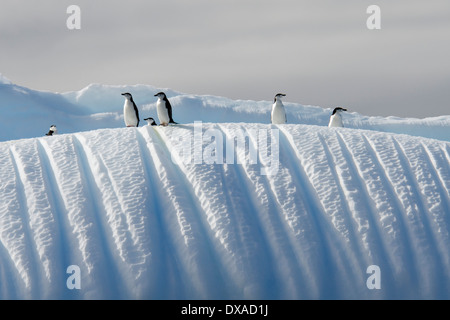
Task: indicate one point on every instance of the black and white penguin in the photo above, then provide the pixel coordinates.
(336, 118)
(130, 111)
(278, 115)
(151, 121)
(164, 109)
(52, 131)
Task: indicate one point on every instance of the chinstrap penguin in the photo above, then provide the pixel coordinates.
(52, 131)
(164, 109)
(336, 118)
(278, 115)
(130, 111)
(151, 121)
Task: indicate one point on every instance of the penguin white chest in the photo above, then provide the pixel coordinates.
(335, 121)
(278, 113)
(129, 114)
(163, 113)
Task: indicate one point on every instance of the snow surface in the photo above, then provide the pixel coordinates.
(4, 80)
(141, 223)
(144, 219)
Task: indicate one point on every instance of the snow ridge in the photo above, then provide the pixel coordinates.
(141, 225)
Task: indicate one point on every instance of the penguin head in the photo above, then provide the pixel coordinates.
(161, 95)
(151, 121)
(278, 97)
(338, 110)
(127, 95)
(53, 128)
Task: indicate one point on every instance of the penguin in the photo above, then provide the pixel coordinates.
(336, 118)
(278, 115)
(52, 131)
(130, 111)
(151, 121)
(164, 109)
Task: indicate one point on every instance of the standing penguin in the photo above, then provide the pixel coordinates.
(336, 118)
(52, 131)
(130, 111)
(164, 109)
(278, 115)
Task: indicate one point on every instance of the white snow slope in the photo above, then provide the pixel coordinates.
(153, 212)
(141, 223)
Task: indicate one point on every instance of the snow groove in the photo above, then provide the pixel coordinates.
(431, 215)
(195, 239)
(279, 248)
(8, 274)
(120, 179)
(386, 238)
(14, 231)
(334, 247)
(339, 195)
(40, 215)
(205, 180)
(97, 243)
(167, 253)
(394, 176)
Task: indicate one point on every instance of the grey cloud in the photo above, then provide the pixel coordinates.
(319, 52)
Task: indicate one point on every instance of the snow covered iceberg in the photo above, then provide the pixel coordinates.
(140, 225)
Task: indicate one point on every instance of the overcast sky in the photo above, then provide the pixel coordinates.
(318, 52)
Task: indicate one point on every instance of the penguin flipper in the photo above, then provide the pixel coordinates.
(169, 111)
(136, 110)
